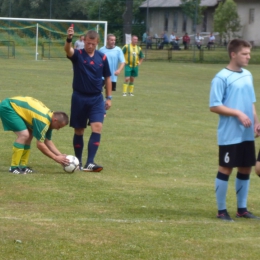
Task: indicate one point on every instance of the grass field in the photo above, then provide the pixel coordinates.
(155, 197)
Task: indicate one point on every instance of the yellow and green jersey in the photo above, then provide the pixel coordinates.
(132, 54)
(35, 114)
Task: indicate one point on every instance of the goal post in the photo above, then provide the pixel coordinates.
(31, 36)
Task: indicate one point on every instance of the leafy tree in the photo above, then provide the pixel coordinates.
(226, 20)
(113, 11)
(193, 10)
(105, 10)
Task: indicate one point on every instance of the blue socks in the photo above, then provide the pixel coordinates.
(242, 188)
(78, 144)
(93, 145)
(221, 186)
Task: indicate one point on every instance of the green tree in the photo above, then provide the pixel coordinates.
(101, 10)
(105, 10)
(226, 20)
(54, 9)
(193, 10)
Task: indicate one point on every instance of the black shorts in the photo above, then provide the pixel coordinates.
(237, 155)
(113, 85)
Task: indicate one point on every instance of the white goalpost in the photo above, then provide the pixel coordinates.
(46, 31)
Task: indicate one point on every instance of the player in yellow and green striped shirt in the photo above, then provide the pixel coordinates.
(27, 118)
(133, 58)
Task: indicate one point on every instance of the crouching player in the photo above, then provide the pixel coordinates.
(27, 118)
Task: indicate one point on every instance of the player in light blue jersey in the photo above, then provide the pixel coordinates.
(232, 96)
(115, 58)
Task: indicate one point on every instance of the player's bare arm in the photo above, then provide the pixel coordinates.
(256, 123)
(140, 61)
(68, 44)
(121, 66)
(61, 159)
(226, 111)
(52, 147)
(108, 92)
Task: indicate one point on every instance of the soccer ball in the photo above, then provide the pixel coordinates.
(73, 165)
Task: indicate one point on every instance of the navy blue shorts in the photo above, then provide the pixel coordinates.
(84, 108)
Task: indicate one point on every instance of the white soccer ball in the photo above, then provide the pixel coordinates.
(73, 165)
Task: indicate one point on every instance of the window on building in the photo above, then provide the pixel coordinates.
(166, 20)
(251, 15)
(175, 21)
(184, 23)
(204, 22)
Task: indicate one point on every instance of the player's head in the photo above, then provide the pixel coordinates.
(236, 45)
(81, 37)
(239, 51)
(91, 34)
(59, 120)
(91, 41)
(134, 39)
(111, 41)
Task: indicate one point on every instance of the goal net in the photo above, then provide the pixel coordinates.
(42, 38)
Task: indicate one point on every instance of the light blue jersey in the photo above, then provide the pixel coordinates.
(234, 90)
(114, 57)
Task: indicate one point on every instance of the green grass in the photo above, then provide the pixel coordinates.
(155, 197)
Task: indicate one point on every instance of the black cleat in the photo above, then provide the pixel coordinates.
(246, 214)
(16, 170)
(92, 167)
(225, 216)
(26, 170)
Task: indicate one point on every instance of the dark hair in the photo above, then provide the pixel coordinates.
(62, 117)
(236, 45)
(91, 34)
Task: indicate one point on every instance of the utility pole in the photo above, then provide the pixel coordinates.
(99, 9)
(147, 17)
(50, 8)
(128, 17)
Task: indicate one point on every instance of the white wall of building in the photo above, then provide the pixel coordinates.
(249, 31)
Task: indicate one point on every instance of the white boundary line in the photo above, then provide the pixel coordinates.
(126, 221)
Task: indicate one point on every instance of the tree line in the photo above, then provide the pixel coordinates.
(123, 16)
(116, 12)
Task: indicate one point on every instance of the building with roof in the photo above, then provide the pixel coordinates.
(166, 15)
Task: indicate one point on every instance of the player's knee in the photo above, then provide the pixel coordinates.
(23, 136)
(79, 131)
(96, 127)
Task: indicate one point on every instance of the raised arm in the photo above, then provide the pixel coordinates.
(68, 44)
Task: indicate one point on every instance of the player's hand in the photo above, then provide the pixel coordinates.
(117, 72)
(108, 104)
(70, 32)
(244, 119)
(257, 130)
(61, 159)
